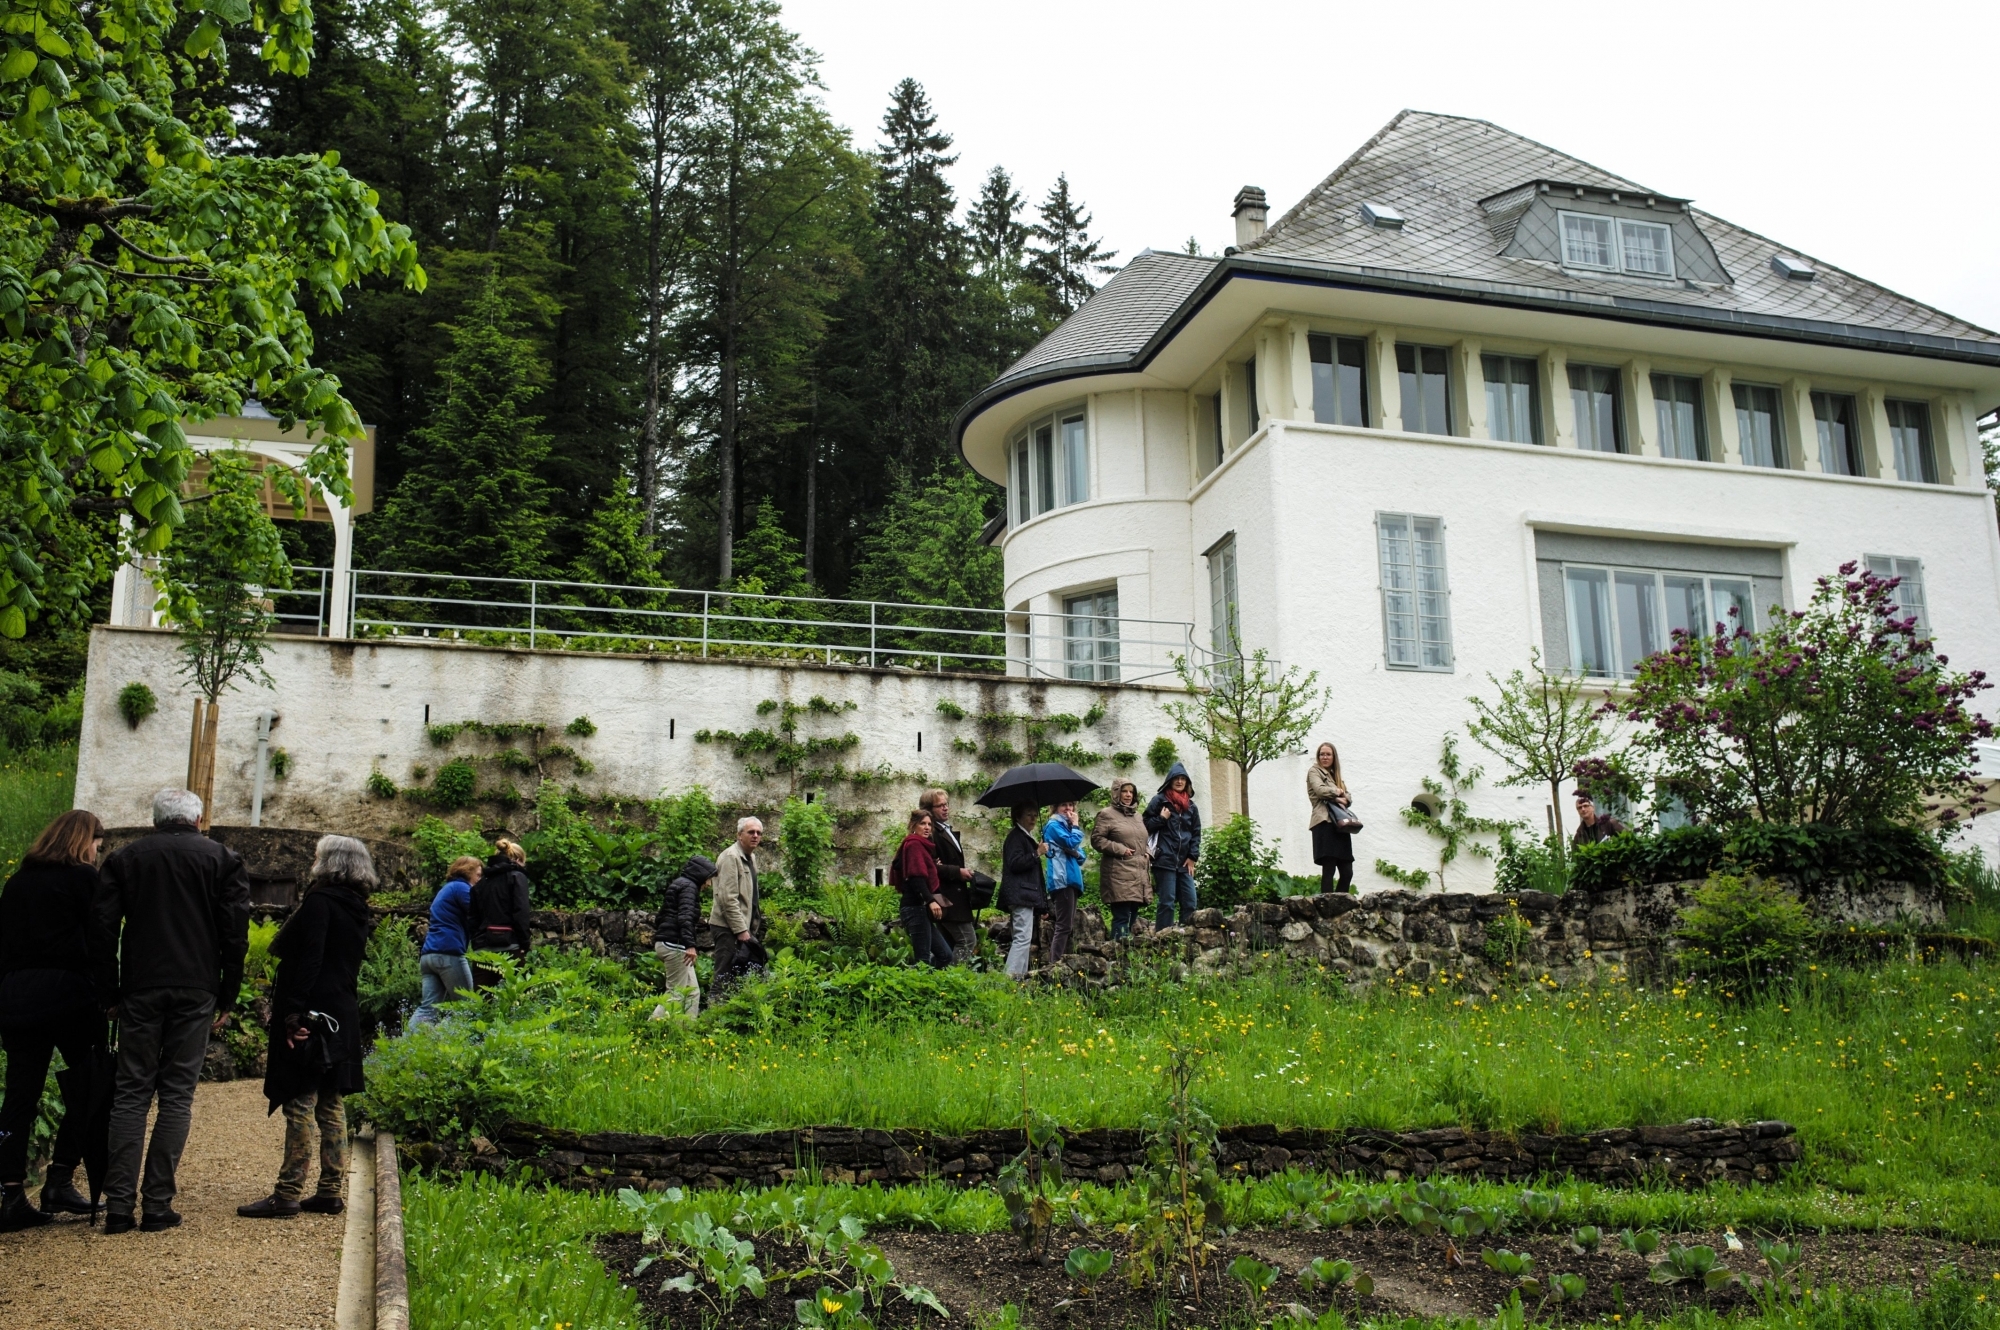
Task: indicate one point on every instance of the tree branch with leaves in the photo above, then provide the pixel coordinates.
(1247, 710)
(1541, 725)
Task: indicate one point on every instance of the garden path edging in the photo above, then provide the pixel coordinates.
(1687, 1154)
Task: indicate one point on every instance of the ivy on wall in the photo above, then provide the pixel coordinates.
(527, 754)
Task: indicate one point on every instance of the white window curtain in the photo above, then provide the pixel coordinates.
(1416, 597)
(1620, 616)
(1225, 628)
(1587, 241)
(1090, 636)
(1648, 248)
(1910, 591)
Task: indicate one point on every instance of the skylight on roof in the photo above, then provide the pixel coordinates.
(1381, 216)
(1791, 269)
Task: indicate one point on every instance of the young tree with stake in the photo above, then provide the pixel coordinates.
(1541, 726)
(1248, 711)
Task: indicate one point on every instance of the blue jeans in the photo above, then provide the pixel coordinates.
(444, 976)
(1171, 885)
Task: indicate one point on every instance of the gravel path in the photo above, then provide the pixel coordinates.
(215, 1272)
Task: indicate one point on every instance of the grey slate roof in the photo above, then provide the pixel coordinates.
(1111, 326)
(1436, 170)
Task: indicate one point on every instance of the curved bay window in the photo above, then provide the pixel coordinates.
(1048, 465)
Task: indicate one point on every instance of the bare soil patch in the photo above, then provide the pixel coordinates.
(976, 1274)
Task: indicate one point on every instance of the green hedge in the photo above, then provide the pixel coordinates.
(1807, 855)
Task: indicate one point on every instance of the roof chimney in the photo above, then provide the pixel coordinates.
(1250, 212)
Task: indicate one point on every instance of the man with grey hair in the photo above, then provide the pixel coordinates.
(733, 913)
(183, 903)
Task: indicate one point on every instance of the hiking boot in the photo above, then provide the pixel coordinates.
(323, 1205)
(119, 1224)
(160, 1222)
(271, 1207)
(60, 1197)
(15, 1212)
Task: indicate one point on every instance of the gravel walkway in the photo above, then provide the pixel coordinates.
(215, 1272)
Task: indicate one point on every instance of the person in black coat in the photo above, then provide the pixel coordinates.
(500, 908)
(56, 983)
(182, 902)
(1022, 892)
(676, 930)
(1174, 819)
(316, 1050)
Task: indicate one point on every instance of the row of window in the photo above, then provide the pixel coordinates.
(1644, 249)
(1514, 409)
(1048, 465)
(1617, 616)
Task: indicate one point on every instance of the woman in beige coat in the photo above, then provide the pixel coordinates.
(1118, 834)
(1333, 849)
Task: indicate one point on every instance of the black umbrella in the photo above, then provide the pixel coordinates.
(1038, 783)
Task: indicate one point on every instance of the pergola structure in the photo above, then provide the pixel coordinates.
(257, 432)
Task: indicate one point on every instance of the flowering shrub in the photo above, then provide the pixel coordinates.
(1840, 713)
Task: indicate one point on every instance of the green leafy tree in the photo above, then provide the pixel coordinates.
(474, 503)
(1842, 713)
(1447, 818)
(216, 575)
(805, 840)
(1063, 255)
(1247, 710)
(1541, 725)
(145, 280)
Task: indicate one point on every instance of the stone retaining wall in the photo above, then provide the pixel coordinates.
(1689, 1154)
(1388, 936)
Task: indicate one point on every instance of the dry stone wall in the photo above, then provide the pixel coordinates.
(1692, 1153)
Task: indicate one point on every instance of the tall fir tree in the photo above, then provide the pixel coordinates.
(999, 237)
(1063, 254)
(931, 552)
(769, 560)
(615, 549)
(474, 501)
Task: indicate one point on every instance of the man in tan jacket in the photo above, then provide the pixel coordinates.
(734, 911)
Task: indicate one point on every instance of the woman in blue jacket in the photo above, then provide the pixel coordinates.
(445, 969)
(1175, 823)
(1064, 837)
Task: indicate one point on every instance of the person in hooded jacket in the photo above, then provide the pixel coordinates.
(1064, 839)
(914, 873)
(676, 929)
(1174, 818)
(499, 917)
(316, 1046)
(56, 982)
(1022, 892)
(1118, 834)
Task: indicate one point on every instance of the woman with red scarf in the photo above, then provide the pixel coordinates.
(914, 874)
(1175, 824)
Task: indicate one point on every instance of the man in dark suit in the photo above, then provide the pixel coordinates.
(183, 903)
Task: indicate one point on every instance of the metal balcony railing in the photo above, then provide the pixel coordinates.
(587, 616)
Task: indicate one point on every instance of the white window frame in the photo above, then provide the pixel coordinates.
(1225, 598)
(1618, 261)
(1659, 576)
(1024, 468)
(1417, 664)
(1090, 656)
(1910, 595)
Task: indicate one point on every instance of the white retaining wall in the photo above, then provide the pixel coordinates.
(348, 708)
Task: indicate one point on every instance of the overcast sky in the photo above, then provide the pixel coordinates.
(1863, 135)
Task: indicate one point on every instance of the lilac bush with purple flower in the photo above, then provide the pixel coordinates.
(1841, 714)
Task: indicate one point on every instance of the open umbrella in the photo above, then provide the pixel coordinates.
(1038, 783)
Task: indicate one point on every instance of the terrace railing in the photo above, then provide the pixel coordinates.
(589, 616)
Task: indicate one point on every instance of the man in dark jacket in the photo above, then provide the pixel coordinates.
(955, 880)
(1591, 825)
(183, 902)
(676, 930)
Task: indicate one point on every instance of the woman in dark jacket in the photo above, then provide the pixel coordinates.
(55, 986)
(1174, 818)
(1023, 894)
(316, 1050)
(500, 908)
(914, 874)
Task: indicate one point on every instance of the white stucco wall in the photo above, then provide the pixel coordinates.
(349, 708)
(1301, 499)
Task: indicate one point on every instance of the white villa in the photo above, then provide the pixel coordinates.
(1469, 397)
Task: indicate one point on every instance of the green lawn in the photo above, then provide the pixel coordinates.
(36, 784)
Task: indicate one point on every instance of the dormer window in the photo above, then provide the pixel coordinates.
(1605, 244)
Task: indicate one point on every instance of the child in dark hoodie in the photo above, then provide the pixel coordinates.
(675, 931)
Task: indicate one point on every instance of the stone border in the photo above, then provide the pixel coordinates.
(1689, 1154)
(374, 1274)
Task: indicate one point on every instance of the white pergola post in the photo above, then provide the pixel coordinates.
(340, 614)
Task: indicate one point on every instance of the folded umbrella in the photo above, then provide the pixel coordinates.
(86, 1092)
(1038, 783)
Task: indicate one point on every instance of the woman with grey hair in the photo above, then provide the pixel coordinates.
(316, 1049)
